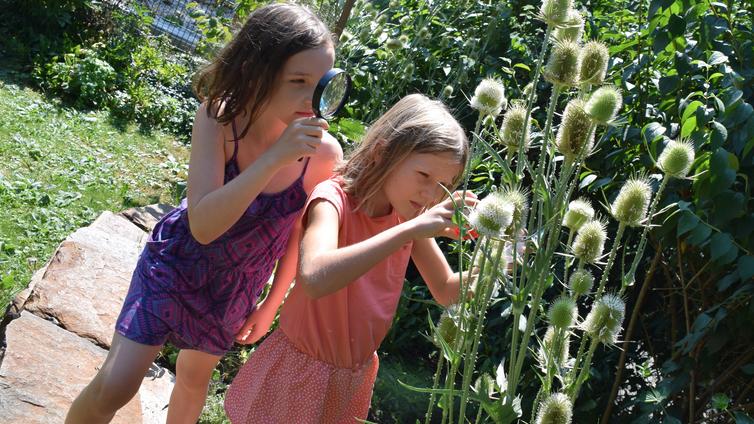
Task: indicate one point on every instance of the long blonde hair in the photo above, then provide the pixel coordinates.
(415, 124)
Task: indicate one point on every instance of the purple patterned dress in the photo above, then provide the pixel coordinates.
(198, 296)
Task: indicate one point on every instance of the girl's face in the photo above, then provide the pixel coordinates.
(292, 97)
(414, 184)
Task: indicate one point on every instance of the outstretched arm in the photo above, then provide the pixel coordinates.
(443, 283)
(325, 268)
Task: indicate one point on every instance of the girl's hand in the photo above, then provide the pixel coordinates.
(300, 139)
(437, 221)
(256, 326)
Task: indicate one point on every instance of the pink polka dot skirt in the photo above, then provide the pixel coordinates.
(280, 384)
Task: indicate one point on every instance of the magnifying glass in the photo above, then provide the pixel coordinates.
(331, 93)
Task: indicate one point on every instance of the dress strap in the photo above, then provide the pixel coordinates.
(306, 164)
(235, 140)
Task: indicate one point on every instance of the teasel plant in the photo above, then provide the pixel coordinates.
(525, 235)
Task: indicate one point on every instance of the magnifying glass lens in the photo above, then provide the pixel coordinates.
(331, 93)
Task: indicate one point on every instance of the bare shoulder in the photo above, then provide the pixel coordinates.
(206, 127)
(329, 150)
(328, 155)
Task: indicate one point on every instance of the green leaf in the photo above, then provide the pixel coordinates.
(746, 267)
(504, 413)
(652, 131)
(691, 109)
(687, 222)
(717, 58)
(688, 127)
(718, 135)
(699, 235)
(587, 180)
(351, 128)
(726, 282)
(720, 244)
(742, 418)
(668, 84)
(676, 25)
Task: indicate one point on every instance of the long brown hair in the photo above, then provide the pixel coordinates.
(244, 74)
(415, 124)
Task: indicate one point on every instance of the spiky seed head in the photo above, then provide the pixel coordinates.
(603, 105)
(572, 29)
(555, 12)
(515, 126)
(447, 91)
(579, 212)
(677, 158)
(489, 97)
(590, 241)
(409, 69)
(581, 282)
(563, 312)
(404, 40)
(630, 207)
(593, 63)
(520, 201)
(447, 327)
(604, 321)
(393, 44)
(562, 67)
(556, 409)
(549, 350)
(575, 131)
(492, 215)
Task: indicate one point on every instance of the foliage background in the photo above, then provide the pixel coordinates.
(685, 68)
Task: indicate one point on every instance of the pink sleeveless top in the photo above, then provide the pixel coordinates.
(345, 328)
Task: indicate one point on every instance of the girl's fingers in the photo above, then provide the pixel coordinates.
(313, 131)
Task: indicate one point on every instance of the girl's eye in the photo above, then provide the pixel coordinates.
(424, 174)
(298, 81)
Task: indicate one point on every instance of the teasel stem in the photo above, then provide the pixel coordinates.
(567, 261)
(573, 391)
(539, 177)
(610, 259)
(530, 102)
(460, 342)
(435, 384)
(468, 367)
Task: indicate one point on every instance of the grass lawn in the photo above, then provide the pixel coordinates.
(61, 167)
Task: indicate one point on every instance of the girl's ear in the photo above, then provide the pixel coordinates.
(380, 145)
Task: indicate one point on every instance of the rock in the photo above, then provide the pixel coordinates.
(147, 217)
(84, 284)
(46, 367)
(106, 230)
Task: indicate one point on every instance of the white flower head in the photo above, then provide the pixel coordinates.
(489, 97)
(492, 215)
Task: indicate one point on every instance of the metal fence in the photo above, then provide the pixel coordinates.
(171, 17)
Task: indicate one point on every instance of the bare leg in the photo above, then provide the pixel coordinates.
(115, 384)
(193, 371)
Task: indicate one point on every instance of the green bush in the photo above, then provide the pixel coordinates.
(80, 76)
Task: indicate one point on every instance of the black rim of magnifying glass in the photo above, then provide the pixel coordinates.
(321, 88)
